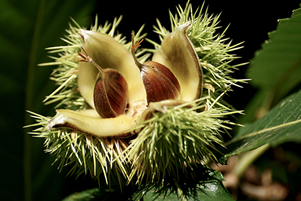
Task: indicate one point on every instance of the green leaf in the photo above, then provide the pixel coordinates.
(210, 191)
(281, 124)
(276, 68)
(206, 185)
(27, 28)
(203, 184)
(210, 188)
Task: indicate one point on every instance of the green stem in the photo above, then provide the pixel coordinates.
(247, 159)
(29, 102)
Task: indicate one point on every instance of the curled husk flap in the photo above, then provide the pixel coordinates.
(177, 53)
(107, 53)
(89, 122)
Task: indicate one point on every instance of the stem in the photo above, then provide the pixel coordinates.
(270, 100)
(133, 49)
(29, 102)
(247, 159)
(85, 58)
(97, 66)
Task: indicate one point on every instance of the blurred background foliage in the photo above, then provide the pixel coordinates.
(28, 27)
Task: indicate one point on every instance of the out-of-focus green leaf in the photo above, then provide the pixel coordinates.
(281, 124)
(276, 68)
(103, 193)
(86, 195)
(27, 28)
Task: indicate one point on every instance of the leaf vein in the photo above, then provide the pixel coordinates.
(267, 130)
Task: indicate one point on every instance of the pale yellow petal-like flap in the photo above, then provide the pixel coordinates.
(88, 121)
(108, 53)
(177, 53)
(86, 79)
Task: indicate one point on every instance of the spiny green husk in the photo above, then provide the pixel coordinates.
(65, 76)
(211, 47)
(177, 140)
(86, 154)
(171, 142)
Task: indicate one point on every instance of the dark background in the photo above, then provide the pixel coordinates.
(250, 22)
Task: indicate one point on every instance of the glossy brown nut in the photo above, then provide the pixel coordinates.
(110, 94)
(159, 82)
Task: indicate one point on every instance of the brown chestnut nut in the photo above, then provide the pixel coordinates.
(110, 91)
(159, 82)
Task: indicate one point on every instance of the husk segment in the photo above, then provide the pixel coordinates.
(108, 53)
(174, 139)
(177, 53)
(213, 50)
(85, 153)
(67, 94)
